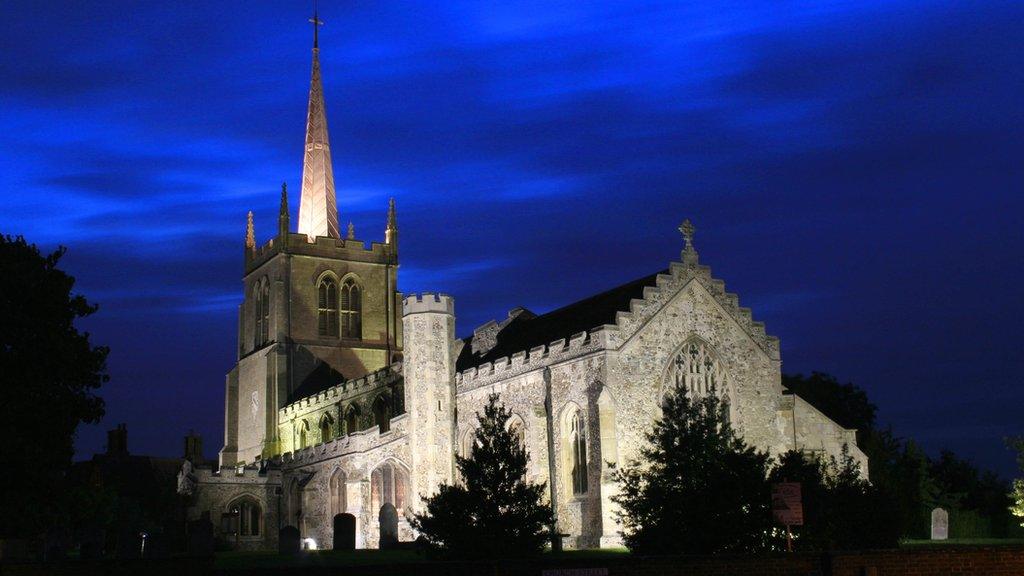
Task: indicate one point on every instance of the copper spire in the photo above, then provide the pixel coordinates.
(318, 211)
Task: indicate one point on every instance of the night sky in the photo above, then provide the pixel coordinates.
(855, 171)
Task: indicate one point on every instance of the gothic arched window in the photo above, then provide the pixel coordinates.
(338, 493)
(352, 419)
(327, 307)
(382, 413)
(250, 516)
(696, 369)
(388, 485)
(578, 453)
(261, 312)
(326, 429)
(303, 434)
(351, 309)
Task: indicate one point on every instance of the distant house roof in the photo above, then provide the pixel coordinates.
(527, 331)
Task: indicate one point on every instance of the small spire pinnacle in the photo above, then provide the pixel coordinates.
(351, 230)
(250, 233)
(282, 215)
(689, 252)
(391, 230)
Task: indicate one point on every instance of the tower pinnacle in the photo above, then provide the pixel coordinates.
(282, 215)
(250, 233)
(318, 211)
(391, 230)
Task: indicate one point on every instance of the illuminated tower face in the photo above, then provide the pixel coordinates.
(318, 209)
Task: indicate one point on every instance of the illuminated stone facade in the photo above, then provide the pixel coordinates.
(348, 399)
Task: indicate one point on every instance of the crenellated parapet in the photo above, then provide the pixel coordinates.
(341, 391)
(322, 247)
(538, 357)
(428, 302)
(354, 443)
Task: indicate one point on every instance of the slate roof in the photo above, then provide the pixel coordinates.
(526, 332)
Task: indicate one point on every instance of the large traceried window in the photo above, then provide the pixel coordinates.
(388, 485)
(696, 368)
(327, 307)
(578, 453)
(351, 310)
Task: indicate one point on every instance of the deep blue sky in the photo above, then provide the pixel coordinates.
(854, 170)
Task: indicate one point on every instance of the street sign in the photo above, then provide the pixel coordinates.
(787, 508)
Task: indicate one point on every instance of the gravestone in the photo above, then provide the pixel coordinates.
(344, 532)
(200, 537)
(288, 542)
(940, 524)
(388, 518)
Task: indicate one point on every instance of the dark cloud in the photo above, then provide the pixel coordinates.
(853, 170)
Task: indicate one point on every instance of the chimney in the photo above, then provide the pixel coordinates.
(117, 441)
(194, 448)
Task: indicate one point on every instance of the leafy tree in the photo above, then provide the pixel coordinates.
(494, 512)
(846, 404)
(697, 487)
(842, 510)
(1017, 506)
(48, 372)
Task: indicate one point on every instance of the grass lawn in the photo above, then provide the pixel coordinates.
(270, 559)
(963, 542)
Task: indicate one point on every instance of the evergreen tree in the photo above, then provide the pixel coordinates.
(494, 512)
(697, 487)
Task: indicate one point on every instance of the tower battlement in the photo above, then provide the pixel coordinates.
(428, 302)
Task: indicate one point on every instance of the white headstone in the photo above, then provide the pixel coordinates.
(940, 524)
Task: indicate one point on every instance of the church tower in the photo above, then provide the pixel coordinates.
(318, 308)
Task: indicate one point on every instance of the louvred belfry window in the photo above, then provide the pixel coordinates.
(327, 307)
(351, 309)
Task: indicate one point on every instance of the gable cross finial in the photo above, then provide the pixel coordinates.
(689, 252)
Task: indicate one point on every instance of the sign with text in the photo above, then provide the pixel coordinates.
(787, 508)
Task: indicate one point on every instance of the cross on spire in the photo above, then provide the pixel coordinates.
(317, 23)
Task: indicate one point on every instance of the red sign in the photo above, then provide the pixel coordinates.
(787, 508)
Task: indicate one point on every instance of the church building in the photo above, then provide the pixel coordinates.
(349, 399)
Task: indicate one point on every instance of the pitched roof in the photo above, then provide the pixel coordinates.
(527, 331)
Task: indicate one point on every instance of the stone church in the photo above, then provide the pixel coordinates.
(349, 398)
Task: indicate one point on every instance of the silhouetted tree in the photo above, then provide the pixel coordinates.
(48, 372)
(696, 487)
(494, 512)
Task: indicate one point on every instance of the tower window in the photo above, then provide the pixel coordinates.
(351, 308)
(327, 307)
(261, 312)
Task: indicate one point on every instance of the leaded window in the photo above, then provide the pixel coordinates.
(351, 310)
